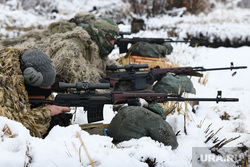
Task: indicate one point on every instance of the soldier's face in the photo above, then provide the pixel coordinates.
(110, 39)
(37, 90)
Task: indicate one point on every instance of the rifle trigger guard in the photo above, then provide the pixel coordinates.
(151, 78)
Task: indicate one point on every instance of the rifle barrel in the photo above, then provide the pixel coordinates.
(85, 85)
(204, 99)
(215, 69)
(126, 67)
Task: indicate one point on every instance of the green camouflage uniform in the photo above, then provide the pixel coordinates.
(14, 98)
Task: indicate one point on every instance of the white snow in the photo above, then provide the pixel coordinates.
(63, 146)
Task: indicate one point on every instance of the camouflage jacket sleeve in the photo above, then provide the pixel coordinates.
(15, 107)
(37, 121)
(14, 102)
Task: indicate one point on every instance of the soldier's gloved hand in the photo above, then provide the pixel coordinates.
(62, 119)
(138, 102)
(143, 103)
(55, 110)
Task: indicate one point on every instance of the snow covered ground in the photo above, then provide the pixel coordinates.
(70, 146)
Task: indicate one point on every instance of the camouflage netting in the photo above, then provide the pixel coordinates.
(171, 84)
(136, 122)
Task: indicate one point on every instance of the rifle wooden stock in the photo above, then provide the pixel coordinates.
(36, 97)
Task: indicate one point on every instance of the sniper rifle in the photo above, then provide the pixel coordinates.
(140, 78)
(84, 95)
(122, 42)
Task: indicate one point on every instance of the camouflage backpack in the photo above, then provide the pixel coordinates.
(173, 84)
(150, 50)
(136, 122)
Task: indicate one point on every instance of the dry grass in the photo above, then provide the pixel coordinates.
(211, 135)
(7, 132)
(218, 144)
(156, 7)
(225, 116)
(223, 142)
(92, 163)
(203, 81)
(201, 123)
(169, 107)
(28, 158)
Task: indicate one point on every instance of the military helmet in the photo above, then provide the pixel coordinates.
(101, 31)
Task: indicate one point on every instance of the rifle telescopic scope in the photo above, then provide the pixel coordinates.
(127, 67)
(84, 85)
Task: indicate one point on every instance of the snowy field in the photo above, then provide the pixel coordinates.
(70, 146)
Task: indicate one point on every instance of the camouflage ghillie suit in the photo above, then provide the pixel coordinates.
(61, 26)
(75, 55)
(14, 98)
